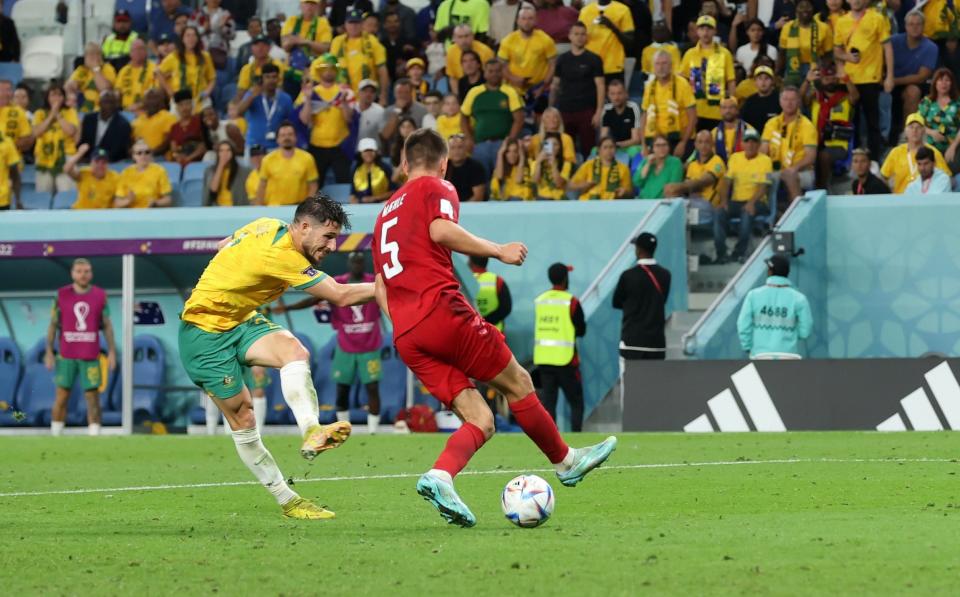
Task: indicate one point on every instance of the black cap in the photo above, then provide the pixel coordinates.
(100, 154)
(257, 150)
(558, 272)
(647, 242)
(355, 16)
(165, 38)
(260, 39)
(779, 265)
(182, 96)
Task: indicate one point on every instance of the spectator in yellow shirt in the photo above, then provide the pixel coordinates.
(900, 167)
(551, 123)
(551, 172)
(91, 78)
(603, 177)
(327, 109)
(144, 184)
(136, 77)
(96, 183)
(530, 57)
(190, 67)
(361, 55)
(709, 68)
(790, 139)
(661, 42)
(704, 181)
(861, 42)
(745, 197)
(669, 108)
(511, 174)
(448, 123)
(609, 33)
(9, 174)
(304, 37)
(464, 41)
(803, 41)
(288, 175)
(57, 130)
(154, 123)
(251, 74)
(13, 120)
(253, 179)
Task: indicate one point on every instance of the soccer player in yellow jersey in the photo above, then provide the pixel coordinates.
(221, 332)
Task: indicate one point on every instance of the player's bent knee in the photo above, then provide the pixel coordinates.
(484, 421)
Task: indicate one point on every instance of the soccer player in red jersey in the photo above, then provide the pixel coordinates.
(443, 339)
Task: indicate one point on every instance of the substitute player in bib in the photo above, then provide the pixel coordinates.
(443, 339)
(221, 331)
(359, 339)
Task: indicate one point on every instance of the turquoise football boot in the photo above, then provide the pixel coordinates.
(587, 459)
(445, 499)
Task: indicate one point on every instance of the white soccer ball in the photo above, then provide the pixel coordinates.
(527, 501)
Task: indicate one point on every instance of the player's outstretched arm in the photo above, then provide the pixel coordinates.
(342, 295)
(380, 292)
(456, 238)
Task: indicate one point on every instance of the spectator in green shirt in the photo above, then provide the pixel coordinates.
(490, 113)
(660, 169)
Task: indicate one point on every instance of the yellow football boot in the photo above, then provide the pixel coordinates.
(302, 509)
(321, 438)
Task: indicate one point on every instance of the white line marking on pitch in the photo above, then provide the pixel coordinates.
(490, 472)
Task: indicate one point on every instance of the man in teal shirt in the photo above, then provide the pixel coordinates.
(775, 317)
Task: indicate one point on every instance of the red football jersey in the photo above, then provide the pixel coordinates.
(417, 272)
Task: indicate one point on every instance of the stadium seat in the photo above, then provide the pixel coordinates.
(240, 37)
(64, 199)
(28, 175)
(174, 172)
(8, 6)
(191, 193)
(121, 166)
(149, 369)
(35, 17)
(194, 171)
(32, 199)
(42, 56)
(138, 14)
(36, 392)
(338, 192)
(393, 383)
(326, 388)
(130, 116)
(11, 71)
(10, 370)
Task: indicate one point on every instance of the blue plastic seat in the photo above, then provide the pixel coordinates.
(149, 369)
(64, 199)
(32, 199)
(121, 166)
(10, 372)
(36, 392)
(195, 170)
(338, 192)
(29, 173)
(174, 172)
(11, 71)
(191, 193)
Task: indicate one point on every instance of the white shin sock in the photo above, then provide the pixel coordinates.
(260, 410)
(300, 395)
(56, 427)
(261, 463)
(373, 421)
(93, 428)
(211, 414)
(343, 415)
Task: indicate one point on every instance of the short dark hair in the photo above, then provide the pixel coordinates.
(285, 124)
(182, 96)
(434, 93)
(924, 153)
(578, 24)
(424, 148)
(403, 82)
(269, 68)
(470, 53)
(479, 261)
(321, 208)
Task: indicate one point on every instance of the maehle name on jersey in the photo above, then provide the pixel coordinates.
(393, 205)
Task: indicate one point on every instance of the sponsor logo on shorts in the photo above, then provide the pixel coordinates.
(228, 380)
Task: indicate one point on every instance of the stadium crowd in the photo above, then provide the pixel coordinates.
(729, 104)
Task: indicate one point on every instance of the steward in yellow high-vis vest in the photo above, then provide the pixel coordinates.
(116, 46)
(559, 322)
(493, 300)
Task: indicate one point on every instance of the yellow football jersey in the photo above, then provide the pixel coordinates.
(254, 269)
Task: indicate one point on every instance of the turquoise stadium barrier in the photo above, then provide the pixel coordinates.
(585, 235)
(882, 274)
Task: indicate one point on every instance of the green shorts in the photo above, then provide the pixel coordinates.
(215, 361)
(68, 369)
(347, 365)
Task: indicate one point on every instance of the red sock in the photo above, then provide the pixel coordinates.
(537, 424)
(460, 448)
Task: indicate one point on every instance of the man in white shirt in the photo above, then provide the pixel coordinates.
(932, 180)
(373, 116)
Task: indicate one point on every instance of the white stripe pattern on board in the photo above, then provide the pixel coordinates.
(919, 412)
(946, 391)
(726, 413)
(652, 465)
(699, 425)
(894, 423)
(757, 400)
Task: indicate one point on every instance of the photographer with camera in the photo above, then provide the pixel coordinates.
(831, 100)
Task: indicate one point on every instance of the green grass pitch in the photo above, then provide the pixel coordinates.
(754, 514)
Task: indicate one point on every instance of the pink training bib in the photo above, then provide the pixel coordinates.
(358, 326)
(81, 316)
